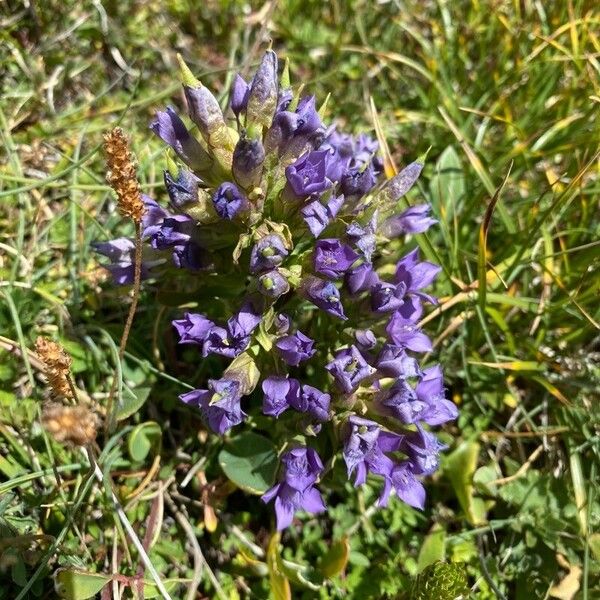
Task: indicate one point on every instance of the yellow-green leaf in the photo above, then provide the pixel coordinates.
(72, 584)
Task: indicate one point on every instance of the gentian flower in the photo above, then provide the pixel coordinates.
(279, 394)
(361, 278)
(313, 402)
(301, 468)
(394, 362)
(244, 221)
(228, 200)
(430, 391)
(407, 487)
(219, 404)
(415, 219)
(387, 297)
(332, 258)
(317, 215)
(193, 328)
(182, 191)
(349, 368)
(172, 130)
(403, 332)
(295, 348)
(365, 447)
(415, 275)
(273, 284)
(325, 295)
(308, 175)
(268, 253)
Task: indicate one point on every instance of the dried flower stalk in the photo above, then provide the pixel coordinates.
(122, 174)
(57, 364)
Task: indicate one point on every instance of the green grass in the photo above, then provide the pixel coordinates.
(506, 97)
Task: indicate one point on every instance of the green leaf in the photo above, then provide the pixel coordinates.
(460, 467)
(441, 581)
(303, 575)
(79, 585)
(145, 437)
(250, 461)
(448, 185)
(151, 590)
(133, 400)
(336, 559)
(433, 548)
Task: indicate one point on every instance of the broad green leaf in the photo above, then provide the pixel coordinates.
(132, 402)
(280, 586)
(448, 184)
(433, 548)
(79, 585)
(336, 559)
(460, 467)
(250, 461)
(145, 437)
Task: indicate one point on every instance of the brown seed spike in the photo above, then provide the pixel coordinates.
(72, 425)
(122, 174)
(57, 364)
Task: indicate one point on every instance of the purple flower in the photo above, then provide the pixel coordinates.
(295, 348)
(430, 391)
(121, 252)
(313, 402)
(244, 323)
(386, 297)
(415, 275)
(175, 230)
(365, 339)
(171, 129)
(219, 405)
(415, 219)
(361, 278)
(193, 328)
(403, 332)
(279, 394)
(248, 158)
(364, 236)
(401, 402)
(365, 446)
(273, 284)
(240, 91)
(332, 258)
(268, 253)
(282, 324)
(422, 449)
(183, 191)
(308, 175)
(301, 468)
(349, 368)
(394, 362)
(407, 487)
(189, 256)
(325, 295)
(359, 181)
(317, 215)
(228, 200)
(153, 217)
(308, 118)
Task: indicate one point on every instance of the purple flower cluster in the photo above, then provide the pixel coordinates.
(273, 210)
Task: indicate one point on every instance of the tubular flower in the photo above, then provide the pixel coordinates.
(278, 236)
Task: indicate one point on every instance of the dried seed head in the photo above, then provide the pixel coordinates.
(73, 425)
(57, 364)
(122, 175)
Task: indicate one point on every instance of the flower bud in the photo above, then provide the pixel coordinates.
(273, 284)
(248, 159)
(262, 99)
